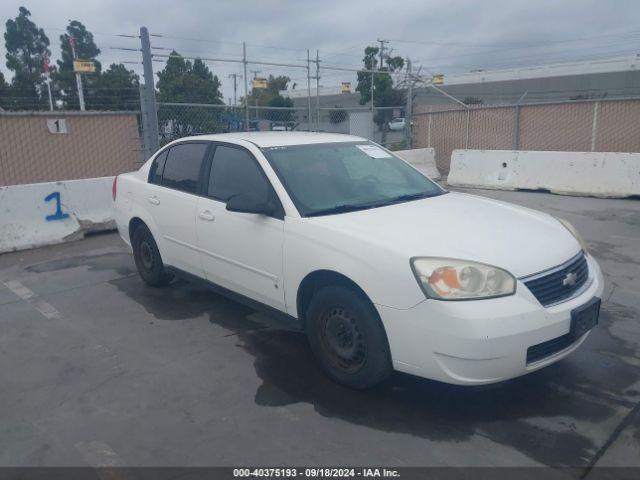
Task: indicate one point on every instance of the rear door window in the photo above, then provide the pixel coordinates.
(182, 167)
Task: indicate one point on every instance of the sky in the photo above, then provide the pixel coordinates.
(440, 36)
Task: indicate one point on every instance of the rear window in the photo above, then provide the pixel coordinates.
(157, 167)
(182, 166)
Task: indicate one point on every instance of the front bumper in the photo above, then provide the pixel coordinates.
(483, 341)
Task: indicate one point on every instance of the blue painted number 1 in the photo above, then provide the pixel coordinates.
(58, 215)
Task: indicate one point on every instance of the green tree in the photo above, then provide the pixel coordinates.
(277, 115)
(118, 89)
(262, 97)
(276, 84)
(26, 46)
(65, 79)
(5, 101)
(384, 93)
(182, 81)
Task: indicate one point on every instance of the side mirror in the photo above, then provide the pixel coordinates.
(249, 203)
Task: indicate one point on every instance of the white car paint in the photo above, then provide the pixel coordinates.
(266, 259)
(397, 124)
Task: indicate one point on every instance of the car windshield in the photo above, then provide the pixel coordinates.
(330, 178)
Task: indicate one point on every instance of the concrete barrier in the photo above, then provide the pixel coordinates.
(41, 214)
(599, 174)
(424, 159)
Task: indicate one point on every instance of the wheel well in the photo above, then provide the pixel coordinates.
(317, 280)
(134, 223)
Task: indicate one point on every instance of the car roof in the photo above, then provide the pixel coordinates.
(279, 139)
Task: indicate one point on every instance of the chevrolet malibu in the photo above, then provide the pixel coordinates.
(381, 267)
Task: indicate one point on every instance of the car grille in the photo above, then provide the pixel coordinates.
(553, 286)
(548, 348)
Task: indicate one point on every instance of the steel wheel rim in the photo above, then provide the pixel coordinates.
(146, 255)
(343, 340)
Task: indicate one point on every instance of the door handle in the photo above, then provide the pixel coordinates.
(153, 200)
(206, 215)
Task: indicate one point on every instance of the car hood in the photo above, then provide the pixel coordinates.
(456, 225)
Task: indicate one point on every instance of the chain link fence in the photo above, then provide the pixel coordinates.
(581, 125)
(177, 120)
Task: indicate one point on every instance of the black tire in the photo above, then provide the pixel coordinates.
(347, 337)
(148, 259)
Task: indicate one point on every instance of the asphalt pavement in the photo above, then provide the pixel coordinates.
(96, 367)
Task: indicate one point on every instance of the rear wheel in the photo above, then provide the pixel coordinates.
(147, 258)
(347, 337)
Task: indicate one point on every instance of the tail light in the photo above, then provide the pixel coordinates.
(114, 188)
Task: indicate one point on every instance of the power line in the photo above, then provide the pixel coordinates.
(121, 35)
(162, 35)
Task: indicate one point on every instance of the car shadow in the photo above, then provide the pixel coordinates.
(548, 415)
(543, 414)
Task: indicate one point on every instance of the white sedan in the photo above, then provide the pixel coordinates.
(381, 267)
(396, 124)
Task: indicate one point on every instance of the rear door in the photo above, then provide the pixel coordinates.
(240, 251)
(173, 204)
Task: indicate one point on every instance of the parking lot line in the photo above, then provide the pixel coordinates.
(19, 289)
(28, 295)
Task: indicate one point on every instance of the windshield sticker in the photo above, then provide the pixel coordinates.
(373, 151)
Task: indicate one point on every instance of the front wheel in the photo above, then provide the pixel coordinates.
(147, 258)
(347, 337)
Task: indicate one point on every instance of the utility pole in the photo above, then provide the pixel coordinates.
(372, 86)
(235, 87)
(408, 114)
(381, 42)
(317, 90)
(255, 76)
(309, 90)
(150, 116)
(246, 87)
(72, 43)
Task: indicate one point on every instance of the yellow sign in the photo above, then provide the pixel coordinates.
(84, 66)
(437, 79)
(259, 83)
(345, 87)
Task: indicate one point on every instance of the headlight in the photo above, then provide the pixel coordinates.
(451, 279)
(573, 232)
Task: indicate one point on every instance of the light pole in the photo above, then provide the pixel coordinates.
(235, 87)
(45, 70)
(72, 43)
(255, 76)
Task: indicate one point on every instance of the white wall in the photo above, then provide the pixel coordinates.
(424, 159)
(27, 220)
(600, 174)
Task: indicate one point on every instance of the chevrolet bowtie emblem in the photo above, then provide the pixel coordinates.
(570, 279)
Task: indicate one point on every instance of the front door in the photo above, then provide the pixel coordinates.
(240, 251)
